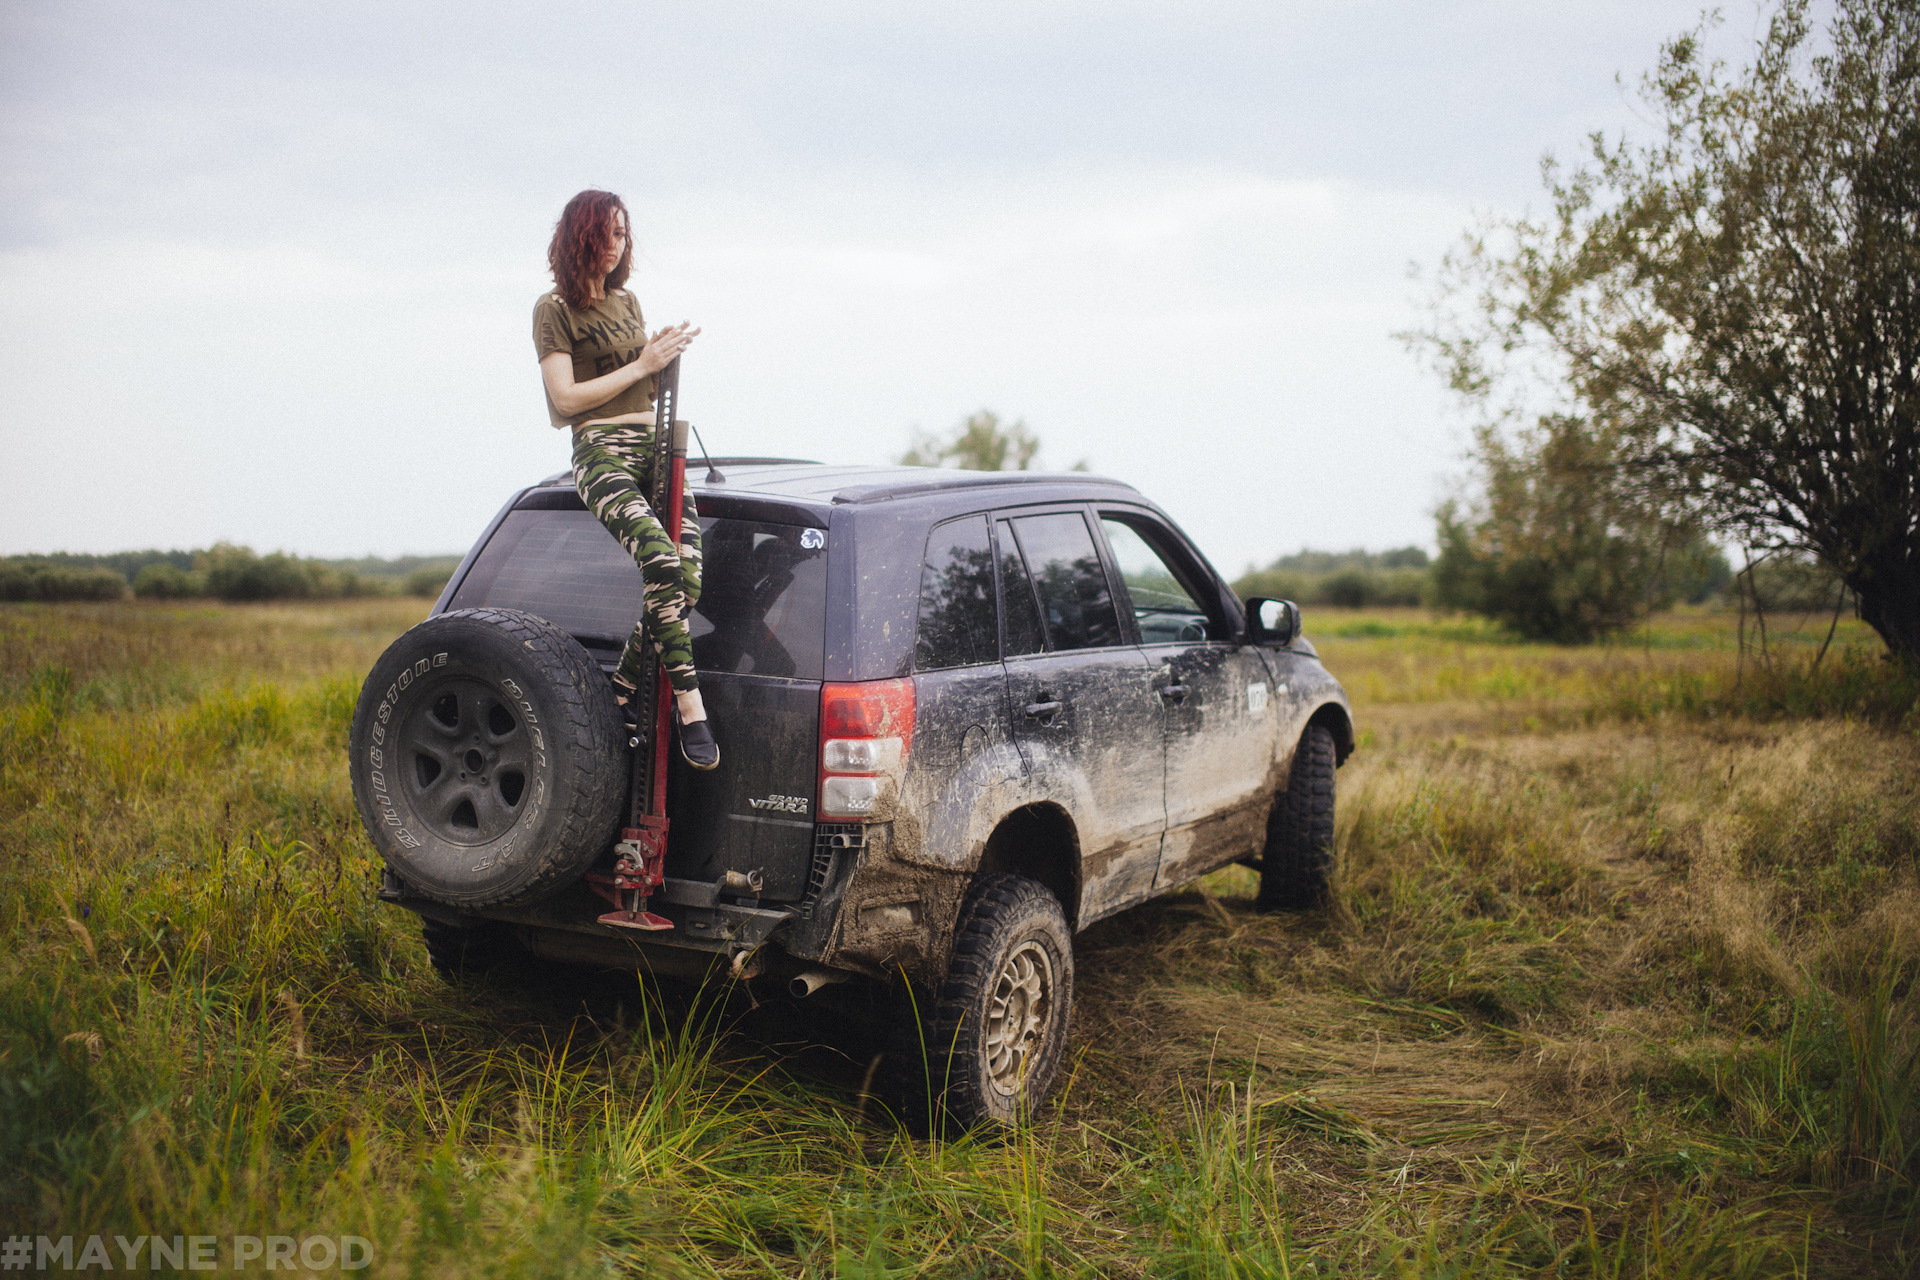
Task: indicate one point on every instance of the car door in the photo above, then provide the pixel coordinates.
(962, 739)
(1084, 711)
(1218, 713)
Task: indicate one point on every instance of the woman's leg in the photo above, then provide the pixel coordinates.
(610, 470)
(690, 548)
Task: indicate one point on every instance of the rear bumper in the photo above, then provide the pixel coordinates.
(706, 917)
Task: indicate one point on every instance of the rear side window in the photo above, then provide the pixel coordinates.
(1075, 601)
(763, 597)
(957, 625)
(1023, 615)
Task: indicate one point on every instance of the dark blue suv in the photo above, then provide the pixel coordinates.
(963, 715)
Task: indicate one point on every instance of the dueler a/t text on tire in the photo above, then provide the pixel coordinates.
(998, 1031)
(1299, 853)
(488, 758)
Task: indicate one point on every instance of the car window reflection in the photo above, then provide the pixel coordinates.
(1075, 601)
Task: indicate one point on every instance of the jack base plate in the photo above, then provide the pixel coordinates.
(636, 920)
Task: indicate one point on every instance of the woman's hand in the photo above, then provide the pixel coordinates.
(570, 397)
(665, 345)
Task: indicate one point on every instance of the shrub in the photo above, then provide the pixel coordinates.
(25, 579)
(165, 581)
(1558, 545)
(1795, 585)
(428, 582)
(1352, 587)
(238, 573)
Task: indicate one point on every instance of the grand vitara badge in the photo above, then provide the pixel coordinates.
(781, 804)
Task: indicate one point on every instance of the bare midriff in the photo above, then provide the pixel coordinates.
(645, 419)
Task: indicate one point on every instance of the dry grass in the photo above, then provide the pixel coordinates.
(1617, 981)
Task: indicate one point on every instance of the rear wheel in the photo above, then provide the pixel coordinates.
(1299, 856)
(998, 1031)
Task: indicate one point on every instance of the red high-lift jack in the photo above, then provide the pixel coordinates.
(640, 858)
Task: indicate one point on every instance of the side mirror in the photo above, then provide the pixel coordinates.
(1273, 623)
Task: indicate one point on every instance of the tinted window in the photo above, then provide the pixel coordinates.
(1074, 600)
(957, 625)
(763, 599)
(1163, 609)
(763, 588)
(1022, 614)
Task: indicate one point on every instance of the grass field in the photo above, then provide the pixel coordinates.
(1618, 980)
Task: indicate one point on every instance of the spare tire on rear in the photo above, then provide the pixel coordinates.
(488, 758)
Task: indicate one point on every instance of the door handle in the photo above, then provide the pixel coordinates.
(1042, 710)
(1175, 692)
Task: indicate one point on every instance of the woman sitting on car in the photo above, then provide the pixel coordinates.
(598, 364)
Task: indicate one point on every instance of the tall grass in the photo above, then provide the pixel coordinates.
(1687, 665)
(1601, 992)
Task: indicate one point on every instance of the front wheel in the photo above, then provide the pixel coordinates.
(1299, 855)
(998, 1033)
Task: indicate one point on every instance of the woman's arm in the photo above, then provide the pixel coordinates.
(570, 397)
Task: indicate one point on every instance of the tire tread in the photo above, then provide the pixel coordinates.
(588, 723)
(991, 906)
(1298, 860)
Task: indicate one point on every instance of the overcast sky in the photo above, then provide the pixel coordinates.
(266, 270)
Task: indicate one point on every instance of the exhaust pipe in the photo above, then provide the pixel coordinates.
(813, 979)
(752, 882)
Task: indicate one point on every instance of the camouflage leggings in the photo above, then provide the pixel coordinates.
(612, 469)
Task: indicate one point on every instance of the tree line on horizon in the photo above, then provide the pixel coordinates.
(224, 571)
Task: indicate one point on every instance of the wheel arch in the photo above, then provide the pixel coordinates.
(1339, 722)
(1041, 842)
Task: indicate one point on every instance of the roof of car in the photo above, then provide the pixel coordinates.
(798, 480)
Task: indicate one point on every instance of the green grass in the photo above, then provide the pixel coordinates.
(1615, 982)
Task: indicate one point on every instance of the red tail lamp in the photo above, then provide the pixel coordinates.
(866, 731)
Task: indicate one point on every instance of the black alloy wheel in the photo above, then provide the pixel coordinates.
(467, 755)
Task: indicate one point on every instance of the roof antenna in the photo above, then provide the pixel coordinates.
(714, 474)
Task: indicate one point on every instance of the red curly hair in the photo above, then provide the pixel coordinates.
(580, 242)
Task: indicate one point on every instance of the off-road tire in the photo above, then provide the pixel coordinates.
(1299, 855)
(1011, 942)
(488, 758)
(465, 954)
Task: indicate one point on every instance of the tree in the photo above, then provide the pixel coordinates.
(1554, 545)
(1737, 303)
(980, 443)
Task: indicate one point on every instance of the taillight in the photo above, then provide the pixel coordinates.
(866, 730)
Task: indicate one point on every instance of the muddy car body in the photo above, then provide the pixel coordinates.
(923, 682)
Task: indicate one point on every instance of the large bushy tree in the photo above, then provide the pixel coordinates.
(1737, 301)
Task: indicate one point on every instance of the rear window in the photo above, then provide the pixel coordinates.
(763, 594)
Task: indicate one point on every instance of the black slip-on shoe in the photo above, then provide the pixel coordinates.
(697, 746)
